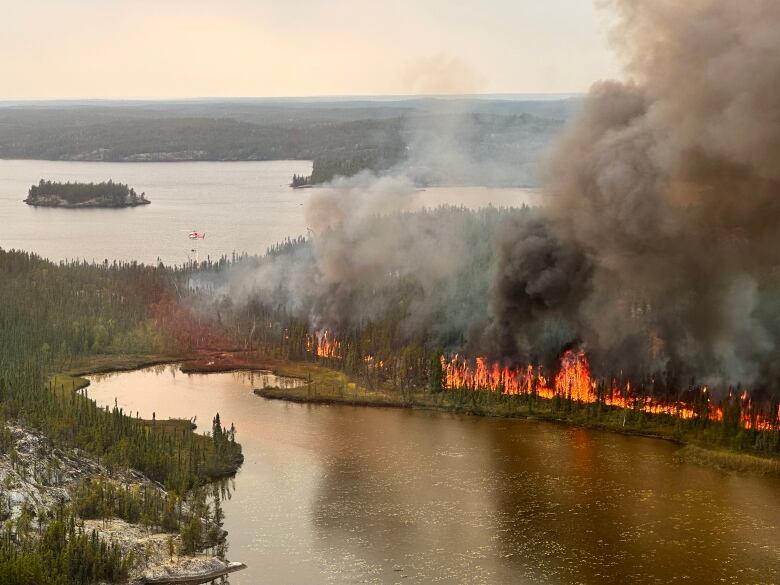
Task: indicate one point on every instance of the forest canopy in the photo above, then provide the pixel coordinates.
(106, 193)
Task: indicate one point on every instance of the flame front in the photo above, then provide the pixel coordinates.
(574, 382)
(326, 344)
(573, 379)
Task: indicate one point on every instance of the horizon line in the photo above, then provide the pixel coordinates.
(302, 98)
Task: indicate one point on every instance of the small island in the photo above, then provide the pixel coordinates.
(73, 195)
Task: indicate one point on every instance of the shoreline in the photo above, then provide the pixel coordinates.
(76, 378)
(709, 455)
(86, 205)
(339, 389)
(204, 577)
(146, 547)
(283, 394)
(716, 457)
(194, 568)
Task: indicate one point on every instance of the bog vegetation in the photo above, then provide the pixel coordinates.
(52, 317)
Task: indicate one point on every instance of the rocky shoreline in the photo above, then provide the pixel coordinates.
(103, 202)
(34, 474)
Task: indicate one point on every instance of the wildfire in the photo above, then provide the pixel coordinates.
(574, 382)
(326, 344)
(373, 363)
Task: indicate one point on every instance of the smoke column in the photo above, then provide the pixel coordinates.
(657, 252)
(659, 249)
(375, 255)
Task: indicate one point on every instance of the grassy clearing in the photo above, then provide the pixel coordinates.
(348, 393)
(171, 425)
(325, 383)
(103, 364)
(68, 383)
(730, 460)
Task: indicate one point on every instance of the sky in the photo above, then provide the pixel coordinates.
(64, 49)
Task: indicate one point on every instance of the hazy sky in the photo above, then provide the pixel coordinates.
(199, 48)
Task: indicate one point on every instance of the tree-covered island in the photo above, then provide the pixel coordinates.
(105, 194)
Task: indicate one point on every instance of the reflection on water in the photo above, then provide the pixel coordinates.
(357, 495)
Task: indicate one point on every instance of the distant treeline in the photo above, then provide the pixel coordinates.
(340, 139)
(346, 162)
(118, 193)
(191, 139)
(299, 181)
(349, 162)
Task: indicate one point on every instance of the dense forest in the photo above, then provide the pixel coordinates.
(381, 357)
(55, 316)
(106, 193)
(341, 137)
(406, 319)
(63, 554)
(350, 160)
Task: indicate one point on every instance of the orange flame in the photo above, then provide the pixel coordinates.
(574, 382)
(326, 345)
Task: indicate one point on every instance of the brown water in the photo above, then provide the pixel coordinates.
(335, 494)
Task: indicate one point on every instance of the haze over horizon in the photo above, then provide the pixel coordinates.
(87, 49)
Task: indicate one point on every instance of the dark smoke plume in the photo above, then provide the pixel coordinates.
(659, 249)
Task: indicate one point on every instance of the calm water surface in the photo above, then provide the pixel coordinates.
(334, 494)
(242, 207)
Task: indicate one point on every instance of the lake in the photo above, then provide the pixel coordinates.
(340, 494)
(242, 207)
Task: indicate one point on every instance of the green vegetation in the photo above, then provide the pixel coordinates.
(53, 314)
(341, 138)
(729, 460)
(60, 554)
(349, 161)
(709, 443)
(105, 194)
(390, 356)
(149, 506)
(299, 181)
(52, 318)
